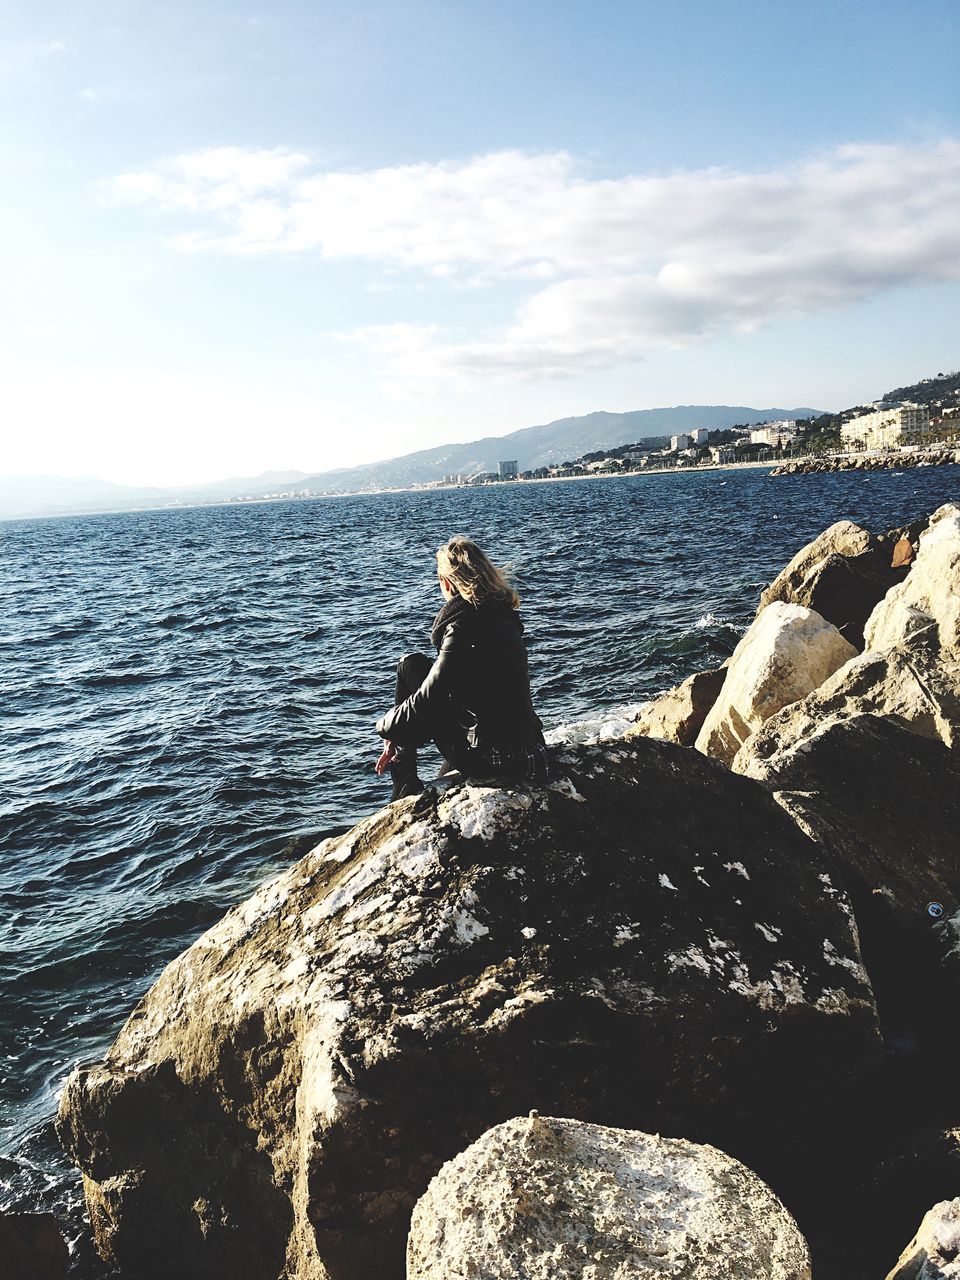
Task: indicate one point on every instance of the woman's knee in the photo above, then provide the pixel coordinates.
(412, 670)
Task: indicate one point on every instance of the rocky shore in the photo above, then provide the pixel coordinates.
(869, 462)
(686, 1010)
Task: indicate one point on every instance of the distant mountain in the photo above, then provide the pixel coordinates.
(567, 438)
(541, 446)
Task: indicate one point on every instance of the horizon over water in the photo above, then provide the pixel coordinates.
(187, 691)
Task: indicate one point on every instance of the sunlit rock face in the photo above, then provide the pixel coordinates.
(787, 652)
(678, 714)
(555, 1199)
(648, 942)
(931, 589)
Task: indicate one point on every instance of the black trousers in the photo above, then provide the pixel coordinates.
(450, 739)
(528, 763)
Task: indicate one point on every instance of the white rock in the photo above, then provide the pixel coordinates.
(787, 652)
(907, 684)
(933, 1252)
(550, 1199)
(931, 590)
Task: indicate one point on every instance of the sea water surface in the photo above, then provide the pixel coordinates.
(184, 692)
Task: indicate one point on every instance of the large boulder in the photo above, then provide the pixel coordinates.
(787, 651)
(551, 1199)
(885, 803)
(841, 575)
(31, 1247)
(934, 1252)
(931, 590)
(908, 686)
(678, 714)
(912, 684)
(843, 538)
(648, 942)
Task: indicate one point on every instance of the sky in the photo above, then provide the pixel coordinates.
(306, 235)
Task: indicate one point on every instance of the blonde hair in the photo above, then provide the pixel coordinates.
(472, 575)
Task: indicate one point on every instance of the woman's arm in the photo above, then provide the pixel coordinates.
(416, 720)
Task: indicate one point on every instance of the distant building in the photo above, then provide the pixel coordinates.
(774, 434)
(700, 435)
(721, 453)
(682, 441)
(507, 470)
(885, 428)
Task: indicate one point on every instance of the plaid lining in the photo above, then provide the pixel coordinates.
(529, 763)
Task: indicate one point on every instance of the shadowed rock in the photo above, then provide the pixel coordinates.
(885, 803)
(550, 1199)
(648, 942)
(31, 1247)
(844, 573)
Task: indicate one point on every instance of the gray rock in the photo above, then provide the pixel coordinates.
(550, 1199)
(934, 1252)
(678, 714)
(31, 1247)
(885, 803)
(648, 942)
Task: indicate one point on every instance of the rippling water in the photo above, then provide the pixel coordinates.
(184, 692)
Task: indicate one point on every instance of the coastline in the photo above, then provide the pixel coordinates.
(774, 468)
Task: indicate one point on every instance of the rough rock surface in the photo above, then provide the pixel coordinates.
(931, 589)
(841, 539)
(787, 651)
(678, 714)
(885, 803)
(934, 1252)
(912, 684)
(648, 942)
(841, 575)
(31, 1247)
(550, 1199)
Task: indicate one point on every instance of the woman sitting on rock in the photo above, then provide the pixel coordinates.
(474, 700)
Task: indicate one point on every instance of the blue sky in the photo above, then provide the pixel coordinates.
(309, 235)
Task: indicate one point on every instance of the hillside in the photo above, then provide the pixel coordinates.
(541, 446)
(26, 497)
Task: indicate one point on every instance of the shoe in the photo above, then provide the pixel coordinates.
(404, 787)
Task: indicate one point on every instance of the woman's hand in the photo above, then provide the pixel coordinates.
(387, 756)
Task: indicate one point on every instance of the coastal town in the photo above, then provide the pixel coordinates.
(901, 428)
(914, 425)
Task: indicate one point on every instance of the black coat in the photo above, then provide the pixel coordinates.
(478, 689)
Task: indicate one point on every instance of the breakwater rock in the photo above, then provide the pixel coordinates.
(554, 1199)
(649, 942)
(869, 462)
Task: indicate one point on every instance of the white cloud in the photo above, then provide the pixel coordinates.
(621, 265)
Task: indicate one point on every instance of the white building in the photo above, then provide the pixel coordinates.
(677, 443)
(700, 435)
(774, 434)
(720, 453)
(885, 428)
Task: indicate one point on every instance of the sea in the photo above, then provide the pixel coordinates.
(189, 699)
